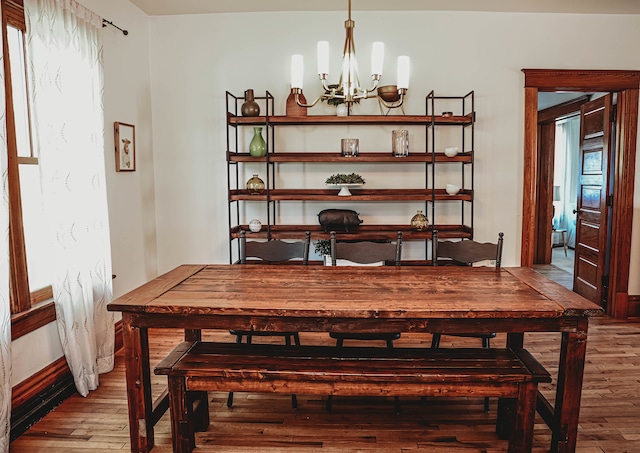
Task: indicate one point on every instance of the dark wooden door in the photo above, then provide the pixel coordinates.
(591, 211)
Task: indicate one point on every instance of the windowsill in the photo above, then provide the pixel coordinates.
(37, 316)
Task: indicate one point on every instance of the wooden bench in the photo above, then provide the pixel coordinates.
(194, 368)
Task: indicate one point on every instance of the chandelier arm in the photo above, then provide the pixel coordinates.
(395, 104)
(365, 93)
(297, 92)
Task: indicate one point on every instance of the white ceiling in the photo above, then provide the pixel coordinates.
(171, 7)
(546, 100)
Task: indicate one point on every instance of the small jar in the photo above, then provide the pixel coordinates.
(255, 186)
(400, 143)
(419, 222)
(350, 147)
(255, 226)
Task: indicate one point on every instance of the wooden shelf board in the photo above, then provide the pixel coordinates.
(364, 232)
(368, 157)
(357, 195)
(310, 120)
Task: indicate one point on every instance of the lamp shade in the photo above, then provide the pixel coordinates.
(403, 72)
(297, 71)
(323, 57)
(377, 58)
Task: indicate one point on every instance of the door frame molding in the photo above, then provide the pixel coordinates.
(627, 85)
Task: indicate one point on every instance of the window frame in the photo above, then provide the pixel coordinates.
(30, 310)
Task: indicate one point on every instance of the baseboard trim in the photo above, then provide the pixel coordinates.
(38, 395)
(634, 306)
(41, 393)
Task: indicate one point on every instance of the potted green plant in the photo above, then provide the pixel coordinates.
(343, 178)
(344, 181)
(322, 247)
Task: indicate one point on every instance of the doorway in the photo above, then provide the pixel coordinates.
(570, 165)
(626, 84)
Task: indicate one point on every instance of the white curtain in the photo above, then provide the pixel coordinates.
(64, 55)
(566, 171)
(5, 309)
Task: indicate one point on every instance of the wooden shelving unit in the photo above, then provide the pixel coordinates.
(429, 195)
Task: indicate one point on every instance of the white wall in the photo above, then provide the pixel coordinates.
(195, 59)
(130, 194)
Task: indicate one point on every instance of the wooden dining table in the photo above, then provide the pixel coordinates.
(356, 299)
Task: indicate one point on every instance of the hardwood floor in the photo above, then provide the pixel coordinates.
(561, 268)
(267, 423)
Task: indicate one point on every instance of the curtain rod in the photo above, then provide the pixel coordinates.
(106, 22)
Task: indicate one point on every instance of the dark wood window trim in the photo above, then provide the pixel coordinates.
(37, 316)
(27, 305)
(14, 10)
(20, 297)
(627, 85)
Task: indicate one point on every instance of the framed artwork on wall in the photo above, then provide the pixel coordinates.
(125, 141)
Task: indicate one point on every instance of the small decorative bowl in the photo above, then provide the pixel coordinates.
(452, 189)
(389, 93)
(255, 225)
(451, 151)
(447, 114)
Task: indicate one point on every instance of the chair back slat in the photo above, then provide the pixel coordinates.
(274, 251)
(467, 251)
(366, 252)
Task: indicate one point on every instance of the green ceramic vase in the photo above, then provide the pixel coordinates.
(257, 147)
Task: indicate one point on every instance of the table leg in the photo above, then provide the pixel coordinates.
(507, 407)
(192, 335)
(515, 340)
(138, 374)
(569, 389)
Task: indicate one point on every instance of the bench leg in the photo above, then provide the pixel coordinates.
(200, 403)
(182, 435)
(521, 438)
(506, 415)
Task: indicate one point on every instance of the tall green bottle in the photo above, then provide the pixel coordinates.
(257, 147)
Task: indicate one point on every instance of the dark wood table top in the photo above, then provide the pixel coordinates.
(356, 299)
(355, 292)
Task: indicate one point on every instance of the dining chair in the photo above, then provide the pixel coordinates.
(274, 251)
(466, 252)
(365, 253)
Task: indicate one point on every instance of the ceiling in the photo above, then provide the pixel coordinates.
(171, 7)
(549, 99)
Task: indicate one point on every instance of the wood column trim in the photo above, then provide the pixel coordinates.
(624, 182)
(546, 148)
(529, 198)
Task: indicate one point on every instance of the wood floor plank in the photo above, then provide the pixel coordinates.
(267, 423)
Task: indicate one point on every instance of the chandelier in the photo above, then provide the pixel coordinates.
(348, 90)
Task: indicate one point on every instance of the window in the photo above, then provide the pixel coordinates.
(30, 281)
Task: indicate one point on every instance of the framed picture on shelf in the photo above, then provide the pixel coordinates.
(125, 142)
